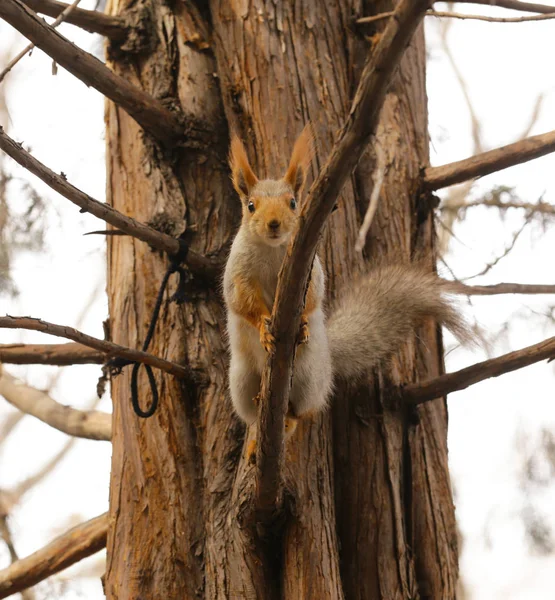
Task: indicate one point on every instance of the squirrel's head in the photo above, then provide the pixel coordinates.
(271, 207)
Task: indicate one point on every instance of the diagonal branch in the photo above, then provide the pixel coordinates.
(50, 354)
(436, 178)
(360, 125)
(502, 288)
(513, 5)
(109, 348)
(67, 549)
(90, 20)
(417, 393)
(91, 424)
(201, 266)
(152, 115)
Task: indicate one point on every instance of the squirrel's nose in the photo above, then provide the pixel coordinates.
(274, 224)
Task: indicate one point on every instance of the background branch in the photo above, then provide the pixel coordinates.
(454, 15)
(493, 202)
(109, 348)
(151, 114)
(61, 17)
(489, 162)
(50, 354)
(503, 288)
(512, 5)
(201, 266)
(360, 125)
(417, 393)
(67, 549)
(90, 20)
(92, 424)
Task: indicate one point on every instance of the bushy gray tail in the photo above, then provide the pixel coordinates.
(381, 311)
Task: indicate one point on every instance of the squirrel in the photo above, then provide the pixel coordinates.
(367, 326)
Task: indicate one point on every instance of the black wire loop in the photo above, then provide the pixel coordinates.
(179, 297)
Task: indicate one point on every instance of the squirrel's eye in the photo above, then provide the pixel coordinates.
(293, 204)
(250, 206)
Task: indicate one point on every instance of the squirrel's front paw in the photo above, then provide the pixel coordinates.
(267, 340)
(304, 334)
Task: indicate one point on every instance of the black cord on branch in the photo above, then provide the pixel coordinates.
(179, 297)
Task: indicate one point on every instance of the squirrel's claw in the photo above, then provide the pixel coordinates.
(267, 340)
(304, 333)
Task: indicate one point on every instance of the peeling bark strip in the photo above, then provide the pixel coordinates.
(90, 20)
(64, 551)
(157, 120)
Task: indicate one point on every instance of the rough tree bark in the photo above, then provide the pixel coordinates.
(369, 508)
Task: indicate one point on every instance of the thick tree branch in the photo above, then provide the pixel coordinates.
(60, 355)
(513, 5)
(109, 348)
(90, 20)
(436, 178)
(503, 288)
(92, 425)
(417, 393)
(152, 115)
(201, 266)
(361, 124)
(64, 551)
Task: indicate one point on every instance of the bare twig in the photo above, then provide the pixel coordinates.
(6, 535)
(417, 393)
(503, 288)
(90, 424)
(476, 127)
(9, 424)
(513, 5)
(90, 20)
(534, 116)
(493, 202)
(30, 482)
(352, 139)
(379, 174)
(69, 548)
(109, 348)
(436, 178)
(152, 115)
(453, 15)
(50, 354)
(201, 266)
(61, 17)
(489, 266)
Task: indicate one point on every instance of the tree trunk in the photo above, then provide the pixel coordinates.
(369, 512)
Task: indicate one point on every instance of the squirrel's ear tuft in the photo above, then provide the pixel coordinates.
(302, 155)
(242, 175)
